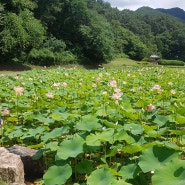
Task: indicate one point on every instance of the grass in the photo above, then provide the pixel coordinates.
(120, 62)
(117, 63)
(2, 182)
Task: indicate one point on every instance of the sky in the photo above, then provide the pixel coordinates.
(135, 4)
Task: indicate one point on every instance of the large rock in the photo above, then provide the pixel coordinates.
(33, 169)
(11, 167)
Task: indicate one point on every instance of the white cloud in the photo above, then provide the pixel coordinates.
(135, 4)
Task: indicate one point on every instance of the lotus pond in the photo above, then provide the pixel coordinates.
(105, 127)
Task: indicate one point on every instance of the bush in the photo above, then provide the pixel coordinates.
(42, 57)
(122, 55)
(45, 57)
(171, 62)
(54, 44)
(143, 63)
(65, 57)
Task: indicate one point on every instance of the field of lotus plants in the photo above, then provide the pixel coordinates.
(99, 127)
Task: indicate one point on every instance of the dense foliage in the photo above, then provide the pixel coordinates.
(88, 30)
(105, 127)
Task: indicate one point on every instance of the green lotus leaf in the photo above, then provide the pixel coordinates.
(107, 135)
(129, 171)
(38, 154)
(120, 182)
(55, 133)
(179, 119)
(17, 133)
(70, 148)
(104, 136)
(153, 157)
(57, 175)
(85, 167)
(57, 116)
(104, 111)
(88, 123)
(93, 140)
(135, 129)
(53, 146)
(33, 132)
(172, 173)
(42, 119)
(161, 120)
(121, 135)
(133, 148)
(157, 133)
(101, 177)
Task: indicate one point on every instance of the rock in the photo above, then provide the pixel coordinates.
(33, 169)
(11, 167)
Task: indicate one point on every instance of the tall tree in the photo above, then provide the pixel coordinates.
(20, 34)
(97, 38)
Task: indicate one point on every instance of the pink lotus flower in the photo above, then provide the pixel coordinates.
(56, 84)
(18, 90)
(156, 87)
(113, 83)
(117, 95)
(64, 84)
(150, 108)
(6, 111)
(170, 83)
(173, 91)
(116, 90)
(49, 95)
(94, 85)
(104, 92)
(124, 82)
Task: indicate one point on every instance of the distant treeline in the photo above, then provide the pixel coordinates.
(56, 32)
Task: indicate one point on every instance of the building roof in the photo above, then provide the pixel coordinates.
(154, 56)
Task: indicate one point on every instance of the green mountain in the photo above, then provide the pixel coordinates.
(176, 12)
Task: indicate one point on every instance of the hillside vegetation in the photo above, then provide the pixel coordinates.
(56, 32)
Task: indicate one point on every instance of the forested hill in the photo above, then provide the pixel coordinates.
(176, 12)
(91, 31)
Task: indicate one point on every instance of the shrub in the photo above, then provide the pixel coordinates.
(42, 57)
(65, 57)
(54, 44)
(45, 57)
(122, 55)
(143, 63)
(171, 62)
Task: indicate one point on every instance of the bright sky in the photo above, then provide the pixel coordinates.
(135, 4)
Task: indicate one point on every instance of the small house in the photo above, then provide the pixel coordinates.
(154, 58)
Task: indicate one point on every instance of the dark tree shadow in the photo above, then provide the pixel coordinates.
(14, 67)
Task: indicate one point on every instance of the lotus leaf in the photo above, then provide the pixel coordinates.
(70, 148)
(57, 175)
(153, 157)
(129, 171)
(172, 173)
(88, 123)
(55, 133)
(100, 177)
(85, 167)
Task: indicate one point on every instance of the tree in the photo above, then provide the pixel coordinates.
(97, 38)
(15, 6)
(128, 43)
(20, 34)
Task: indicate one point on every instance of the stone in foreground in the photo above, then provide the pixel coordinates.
(11, 167)
(33, 169)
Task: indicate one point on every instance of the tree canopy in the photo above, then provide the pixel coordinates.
(85, 30)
